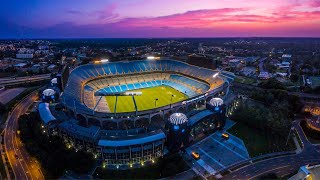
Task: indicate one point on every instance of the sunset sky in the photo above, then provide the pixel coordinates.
(159, 18)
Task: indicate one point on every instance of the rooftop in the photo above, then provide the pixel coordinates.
(132, 140)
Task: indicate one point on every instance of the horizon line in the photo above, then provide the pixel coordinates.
(228, 37)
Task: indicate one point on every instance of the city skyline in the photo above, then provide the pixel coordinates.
(152, 19)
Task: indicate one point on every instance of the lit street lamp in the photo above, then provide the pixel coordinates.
(171, 100)
(155, 102)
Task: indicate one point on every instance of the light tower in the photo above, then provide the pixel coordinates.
(178, 131)
(217, 106)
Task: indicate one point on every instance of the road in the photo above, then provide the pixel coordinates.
(24, 167)
(261, 63)
(280, 165)
(20, 80)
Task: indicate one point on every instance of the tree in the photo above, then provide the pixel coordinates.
(53, 155)
(2, 107)
(272, 83)
(294, 77)
(80, 162)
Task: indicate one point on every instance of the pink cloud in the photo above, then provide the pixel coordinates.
(282, 19)
(314, 3)
(217, 17)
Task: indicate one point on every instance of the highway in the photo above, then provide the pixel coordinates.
(280, 165)
(20, 80)
(24, 167)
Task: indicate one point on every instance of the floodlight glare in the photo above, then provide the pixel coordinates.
(104, 60)
(151, 57)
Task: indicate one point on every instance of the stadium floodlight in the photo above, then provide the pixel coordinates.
(104, 60)
(151, 58)
(101, 61)
(215, 75)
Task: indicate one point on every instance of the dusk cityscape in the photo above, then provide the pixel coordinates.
(177, 89)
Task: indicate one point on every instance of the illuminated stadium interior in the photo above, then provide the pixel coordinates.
(163, 83)
(119, 111)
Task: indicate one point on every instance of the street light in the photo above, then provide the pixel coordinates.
(215, 75)
(171, 100)
(155, 102)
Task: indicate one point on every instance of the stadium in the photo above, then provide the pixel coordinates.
(120, 111)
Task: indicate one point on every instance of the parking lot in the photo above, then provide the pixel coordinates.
(217, 153)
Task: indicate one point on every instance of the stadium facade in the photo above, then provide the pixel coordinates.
(133, 138)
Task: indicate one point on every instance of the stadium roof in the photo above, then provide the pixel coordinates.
(48, 92)
(134, 140)
(178, 118)
(71, 126)
(216, 102)
(45, 113)
(197, 117)
(54, 81)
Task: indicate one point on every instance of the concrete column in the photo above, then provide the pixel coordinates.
(162, 147)
(101, 123)
(101, 153)
(153, 149)
(115, 151)
(130, 153)
(87, 121)
(142, 151)
(150, 120)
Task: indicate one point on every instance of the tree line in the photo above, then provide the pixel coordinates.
(50, 151)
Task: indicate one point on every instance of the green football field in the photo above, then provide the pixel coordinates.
(147, 100)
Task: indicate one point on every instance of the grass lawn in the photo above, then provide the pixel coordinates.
(147, 100)
(245, 80)
(259, 142)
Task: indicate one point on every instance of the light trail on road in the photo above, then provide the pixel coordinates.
(23, 166)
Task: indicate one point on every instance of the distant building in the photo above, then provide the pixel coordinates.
(20, 65)
(264, 75)
(43, 47)
(202, 61)
(52, 67)
(286, 58)
(25, 53)
(234, 63)
(24, 56)
(284, 65)
(36, 68)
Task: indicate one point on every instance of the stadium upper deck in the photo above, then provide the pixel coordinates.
(73, 96)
